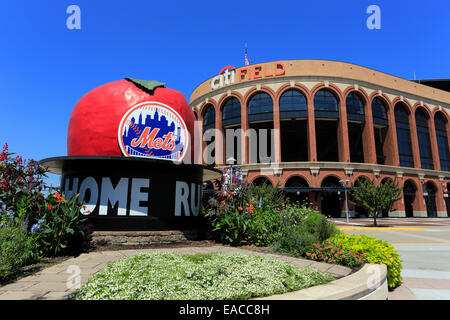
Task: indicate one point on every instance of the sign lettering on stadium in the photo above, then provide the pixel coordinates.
(230, 75)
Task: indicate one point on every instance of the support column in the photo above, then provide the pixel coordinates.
(419, 207)
(368, 136)
(441, 208)
(398, 209)
(414, 141)
(201, 140)
(312, 149)
(343, 145)
(277, 131)
(390, 147)
(219, 140)
(434, 145)
(244, 138)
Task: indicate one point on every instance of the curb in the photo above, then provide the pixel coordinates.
(368, 283)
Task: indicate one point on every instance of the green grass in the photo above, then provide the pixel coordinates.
(214, 276)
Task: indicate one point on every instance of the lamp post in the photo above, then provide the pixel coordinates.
(230, 161)
(345, 184)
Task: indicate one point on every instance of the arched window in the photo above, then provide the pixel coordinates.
(231, 112)
(260, 103)
(324, 100)
(403, 135)
(354, 103)
(294, 136)
(330, 197)
(380, 127)
(379, 113)
(430, 199)
(209, 118)
(297, 189)
(296, 182)
(440, 124)
(292, 100)
(326, 109)
(331, 182)
(423, 136)
(231, 123)
(409, 195)
(355, 126)
(261, 181)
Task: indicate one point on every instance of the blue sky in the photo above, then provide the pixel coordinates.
(46, 68)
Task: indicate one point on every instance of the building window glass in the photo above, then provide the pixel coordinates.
(324, 100)
(292, 100)
(209, 118)
(354, 103)
(231, 112)
(423, 137)
(260, 103)
(403, 136)
(442, 142)
(378, 109)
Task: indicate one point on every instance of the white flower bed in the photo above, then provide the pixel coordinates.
(169, 276)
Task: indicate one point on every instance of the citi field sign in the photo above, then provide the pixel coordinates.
(230, 75)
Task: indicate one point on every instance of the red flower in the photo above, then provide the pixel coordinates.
(50, 207)
(343, 256)
(308, 254)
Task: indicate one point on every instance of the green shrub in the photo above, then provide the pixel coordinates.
(266, 196)
(17, 247)
(300, 228)
(241, 215)
(263, 226)
(376, 251)
(63, 230)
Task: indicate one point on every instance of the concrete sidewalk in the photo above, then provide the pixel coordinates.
(59, 281)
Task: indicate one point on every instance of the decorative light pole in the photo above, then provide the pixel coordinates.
(230, 161)
(345, 185)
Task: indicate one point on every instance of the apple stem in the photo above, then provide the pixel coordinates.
(148, 86)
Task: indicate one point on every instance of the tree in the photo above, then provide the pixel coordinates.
(375, 199)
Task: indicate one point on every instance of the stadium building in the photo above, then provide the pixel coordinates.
(332, 121)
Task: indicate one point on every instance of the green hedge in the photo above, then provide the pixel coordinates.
(16, 249)
(376, 251)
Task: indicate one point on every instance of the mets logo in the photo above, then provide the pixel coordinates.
(153, 130)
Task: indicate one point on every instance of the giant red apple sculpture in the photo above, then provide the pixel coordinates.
(98, 115)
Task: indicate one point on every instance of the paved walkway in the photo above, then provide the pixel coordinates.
(60, 281)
